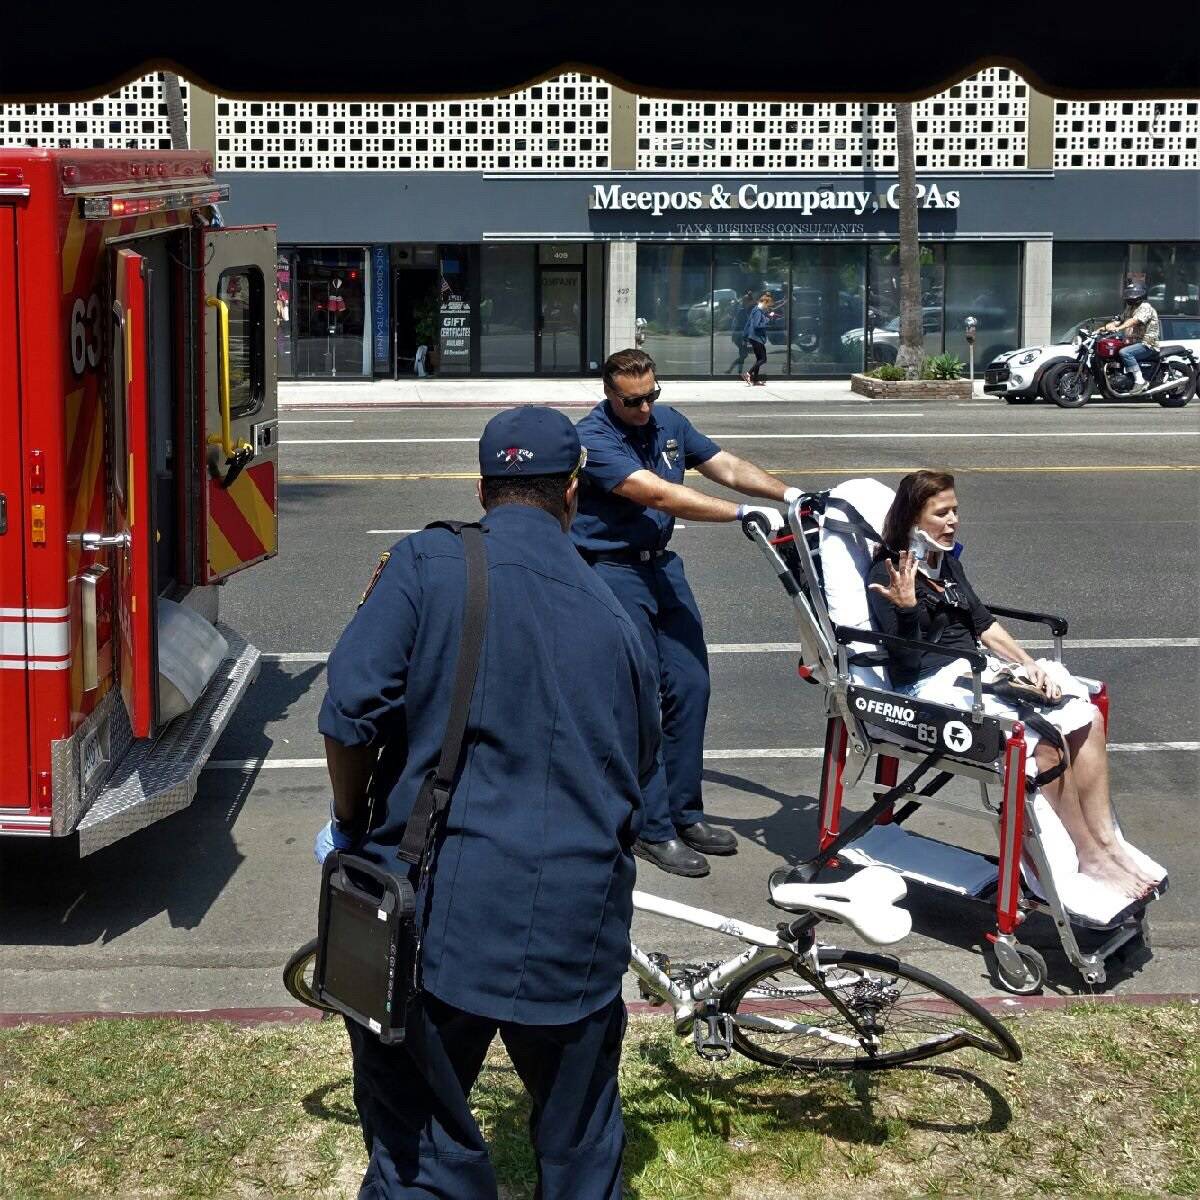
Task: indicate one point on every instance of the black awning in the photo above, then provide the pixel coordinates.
(769, 49)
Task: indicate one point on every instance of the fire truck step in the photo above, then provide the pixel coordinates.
(158, 777)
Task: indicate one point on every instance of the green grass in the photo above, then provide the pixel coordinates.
(1106, 1103)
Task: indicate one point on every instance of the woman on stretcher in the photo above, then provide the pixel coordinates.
(918, 590)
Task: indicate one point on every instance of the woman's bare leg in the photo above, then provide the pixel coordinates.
(1095, 859)
(1089, 763)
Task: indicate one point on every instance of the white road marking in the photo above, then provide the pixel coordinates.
(246, 765)
(393, 531)
(312, 656)
(316, 421)
(892, 416)
(929, 436)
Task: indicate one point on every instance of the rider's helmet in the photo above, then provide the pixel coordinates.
(1134, 293)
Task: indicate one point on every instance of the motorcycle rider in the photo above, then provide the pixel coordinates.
(1139, 323)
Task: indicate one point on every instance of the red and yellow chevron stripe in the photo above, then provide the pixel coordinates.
(241, 520)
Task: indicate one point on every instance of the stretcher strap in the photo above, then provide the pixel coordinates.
(854, 518)
(884, 801)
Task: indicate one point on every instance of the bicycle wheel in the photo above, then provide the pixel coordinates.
(785, 1017)
(297, 976)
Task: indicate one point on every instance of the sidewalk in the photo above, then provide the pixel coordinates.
(561, 393)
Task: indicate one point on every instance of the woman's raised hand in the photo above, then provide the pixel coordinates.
(901, 587)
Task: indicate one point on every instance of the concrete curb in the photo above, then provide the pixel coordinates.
(298, 1014)
(385, 394)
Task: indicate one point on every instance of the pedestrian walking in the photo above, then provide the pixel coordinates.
(633, 489)
(527, 911)
(756, 337)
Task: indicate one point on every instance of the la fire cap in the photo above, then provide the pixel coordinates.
(529, 441)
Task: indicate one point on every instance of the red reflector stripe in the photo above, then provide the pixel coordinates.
(233, 524)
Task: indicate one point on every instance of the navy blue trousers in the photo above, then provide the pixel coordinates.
(657, 596)
(422, 1138)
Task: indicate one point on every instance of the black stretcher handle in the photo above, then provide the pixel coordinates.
(1058, 625)
(847, 636)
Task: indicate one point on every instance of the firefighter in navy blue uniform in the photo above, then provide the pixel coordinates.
(632, 492)
(528, 910)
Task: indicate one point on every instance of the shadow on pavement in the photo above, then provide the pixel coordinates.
(179, 866)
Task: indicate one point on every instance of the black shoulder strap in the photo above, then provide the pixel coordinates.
(434, 796)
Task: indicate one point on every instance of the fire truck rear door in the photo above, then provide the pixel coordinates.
(241, 522)
(133, 522)
(14, 617)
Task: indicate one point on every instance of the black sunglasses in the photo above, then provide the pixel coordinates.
(638, 401)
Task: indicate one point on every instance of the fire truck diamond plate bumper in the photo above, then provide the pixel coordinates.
(155, 779)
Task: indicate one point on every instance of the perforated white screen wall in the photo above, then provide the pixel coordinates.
(1127, 133)
(134, 118)
(559, 125)
(979, 123)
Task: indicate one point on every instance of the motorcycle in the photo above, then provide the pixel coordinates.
(1170, 376)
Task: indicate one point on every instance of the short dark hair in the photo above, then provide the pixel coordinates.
(627, 362)
(912, 494)
(546, 492)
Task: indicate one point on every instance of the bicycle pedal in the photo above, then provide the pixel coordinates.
(713, 1036)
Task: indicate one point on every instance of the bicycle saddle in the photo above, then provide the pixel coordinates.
(865, 902)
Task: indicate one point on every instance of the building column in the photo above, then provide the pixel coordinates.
(620, 299)
(1039, 135)
(1035, 293)
(202, 120)
(622, 127)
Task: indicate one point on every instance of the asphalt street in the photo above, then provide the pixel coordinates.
(1092, 514)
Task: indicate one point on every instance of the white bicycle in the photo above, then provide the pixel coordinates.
(792, 1002)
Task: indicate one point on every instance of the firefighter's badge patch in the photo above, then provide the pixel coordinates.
(383, 562)
(513, 456)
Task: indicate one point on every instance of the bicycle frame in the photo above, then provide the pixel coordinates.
(766, 947)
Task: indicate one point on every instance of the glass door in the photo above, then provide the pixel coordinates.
(560, 321)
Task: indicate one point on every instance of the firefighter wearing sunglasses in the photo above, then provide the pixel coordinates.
(633, 490)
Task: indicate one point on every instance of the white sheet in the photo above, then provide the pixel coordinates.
(846, 562)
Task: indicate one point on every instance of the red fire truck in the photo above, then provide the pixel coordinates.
(137, 473)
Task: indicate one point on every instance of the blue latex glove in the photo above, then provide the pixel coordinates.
(329, 838)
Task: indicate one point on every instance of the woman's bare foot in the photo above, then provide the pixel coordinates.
(1105, 870)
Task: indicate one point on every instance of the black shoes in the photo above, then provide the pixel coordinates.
(672, 856)
(679, 855)
(708, 840)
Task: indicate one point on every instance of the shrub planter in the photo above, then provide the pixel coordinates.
(911, 389)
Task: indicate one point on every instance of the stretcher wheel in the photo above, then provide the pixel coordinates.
(1031, 980)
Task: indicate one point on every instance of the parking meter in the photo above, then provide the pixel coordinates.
(970, 325)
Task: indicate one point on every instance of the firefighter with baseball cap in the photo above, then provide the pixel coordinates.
(526, 917)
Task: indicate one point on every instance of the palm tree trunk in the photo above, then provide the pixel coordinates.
(911, 349)
(175, 120)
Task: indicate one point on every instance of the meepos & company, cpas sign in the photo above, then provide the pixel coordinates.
(751, 197)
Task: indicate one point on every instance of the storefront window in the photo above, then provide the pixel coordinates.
(983, 280)
(741, 274)
(507, 291)
(1171, 272)
(329, 303)
(1087, 284)
(283, 315)
(826, 309)
(674, 299)
(454, 313)
(883, 322)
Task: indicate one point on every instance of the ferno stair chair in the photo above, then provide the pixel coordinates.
(828, 544)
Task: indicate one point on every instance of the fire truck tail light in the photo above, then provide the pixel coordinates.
(135, 204)
(37, 471)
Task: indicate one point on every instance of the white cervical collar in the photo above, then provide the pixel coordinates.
(928, 553)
